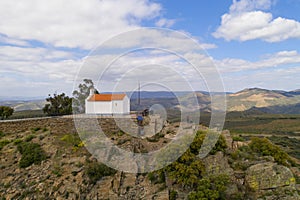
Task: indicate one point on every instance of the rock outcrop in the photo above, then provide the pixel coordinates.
(63, 175)
(271, 181)
(217, 164)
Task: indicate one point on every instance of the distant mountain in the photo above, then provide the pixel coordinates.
(20, 105)
(250, 99)
(155, 95)
(281, 109)
(195, 101)
(295, 92)
(261, 98)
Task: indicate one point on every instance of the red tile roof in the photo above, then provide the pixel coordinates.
(106, 97)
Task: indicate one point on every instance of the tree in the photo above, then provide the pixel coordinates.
(5, 112)
(81, 94)
(58, 105)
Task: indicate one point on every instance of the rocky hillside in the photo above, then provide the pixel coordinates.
(44, 162)
(261, 98)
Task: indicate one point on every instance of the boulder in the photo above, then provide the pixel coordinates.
(217, 164)
(270, 181)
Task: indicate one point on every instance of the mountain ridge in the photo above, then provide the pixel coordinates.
(270, 101)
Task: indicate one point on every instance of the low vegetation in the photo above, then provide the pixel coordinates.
(212, 187)
(2, 134)
(258, 123)
(27, 114)
(95, 171)
(3, 143)
(33, 130)
(173, 195)
(188, 169)
(29, 138)
(157, 177)
(73, 140)
(238, 138)
(17, 141)
(259, 148)
(32, 153)
(290, 145)
(188, 175)
(239, 160)
(265, 147)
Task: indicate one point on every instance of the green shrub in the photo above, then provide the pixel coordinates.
(57, 170)
(210, 135)
(32, 153)
(2, 134)
(188, 168)
(238, 138)
(95, 171)
(173, 195)
(156, 137)
(33, 130)
(41, 137)
(29, 138)
(3, 143)
(120, 133)
(151, 177)
(219, 146)
(290, 145)
(243, 153)
(157, 177)
(71, 139)
(186, 174)
(265, 147)
(212, 187)
(17, 141)
(297, 178)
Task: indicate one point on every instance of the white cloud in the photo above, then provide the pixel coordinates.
(280, 70)
(12, 41)
(41, 66)
(156, 38)
(281, 58)
(278, 79)
(283, 65)
(73, 23)
(208, 46)
(247, 21)
(38, 54)
(165, 22)
(35, 71)
(250, 5)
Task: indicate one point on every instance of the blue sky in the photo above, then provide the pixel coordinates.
(43, 44)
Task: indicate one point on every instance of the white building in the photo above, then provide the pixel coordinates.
(107, 104)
